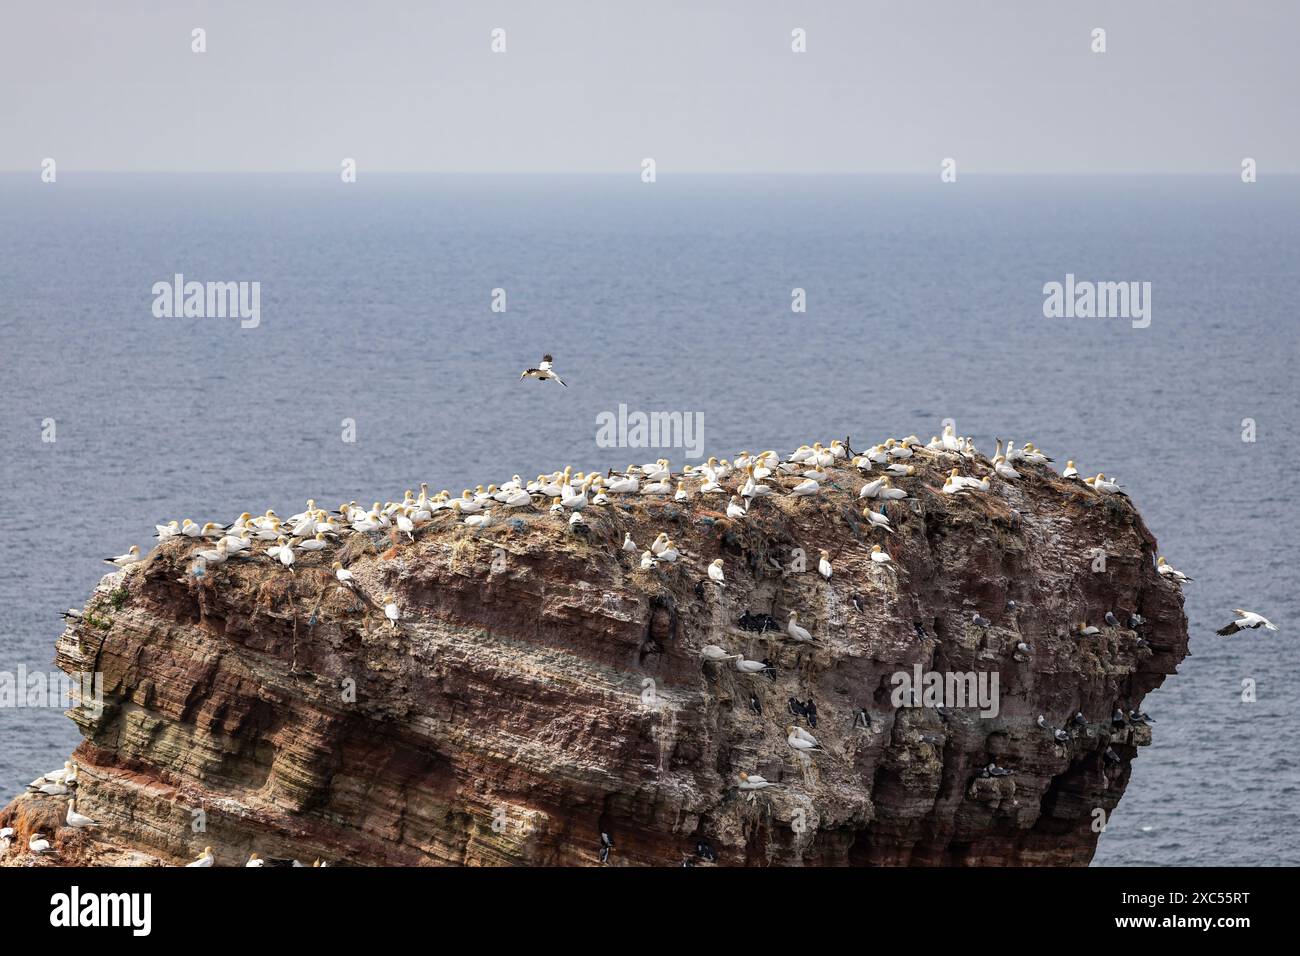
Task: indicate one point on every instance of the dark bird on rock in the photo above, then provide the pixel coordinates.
(755, 706)
(1110, 756)
(1117, 718)
(1136, 620)
(978, 620)
(606, 844)
(1080, 720)
(705, 852)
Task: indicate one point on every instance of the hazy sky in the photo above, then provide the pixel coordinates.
(700, 85)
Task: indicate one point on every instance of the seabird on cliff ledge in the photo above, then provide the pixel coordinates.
(205, 858)
(715, 573)
(391, 612)
(39, 845)
(126, 560)
(78, 820)
(752, 781)
(1169, 571)
(824, 565)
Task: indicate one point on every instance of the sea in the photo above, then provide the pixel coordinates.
(395, 314)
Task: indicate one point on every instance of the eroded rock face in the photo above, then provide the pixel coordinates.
(541, 688)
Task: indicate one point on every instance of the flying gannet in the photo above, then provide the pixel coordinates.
(1246, 619)
(542, 372)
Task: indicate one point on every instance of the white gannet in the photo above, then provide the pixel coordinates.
(343, 575)
(798, 633)
(51, 788)
(802, 741)
(214, 555)
(806, 487)
(949, 440)
(647, 560)
(751, 667)
(68, 770)
(624, 486)
(319, 542)
(955, 484)
(1169, 571)
(485, 520)
(659, 543)
(189, 529)
(712, 652)
(542, 372)
(656, 470)
(879, 555)
(1105, 485)
(715, 573)
(824, 565)
(664, 487)
(205, 858)
(255, 860)
(838, 450)
(169, 530)
(1087, 630)
(1246, 619)
(6, 839)
(890, 493)
(283, 552)
(518, 499)
(78, 820)
(900, 471)
(38, 844)
(736, 507)
(872, 488)
(669, 553)
(575, 520)
(877, 519)
(391, 612)
(1070, 471)
(126, 560)
(681, 493)
(401, 519)
(628, 543)
(752, 781)
(1003, 469)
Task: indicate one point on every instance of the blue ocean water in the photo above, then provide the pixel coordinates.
(924, 302)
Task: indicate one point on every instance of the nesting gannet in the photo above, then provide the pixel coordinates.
(664, 487)
(877, 519)
(215, 555)
(205, 858)
(736, 507)
(78, 820)
(890, 493)
(343, 575)
(1003, 469)
(7, 839)
(628, 543)
(806, 487)
(255, 860)
(131, 557)
(283, 552)
(872, 488)
(1246, 619)
(1087, 630)
(542, 372)
(751, 667)
(51, 789)
(169, 530)
(900, 471)
(486, 520)
(752, 781)
(712, 652)
(1169, 571)
(879, 555)
(390, 611)
(802, 741)
(38, 844)
(669, 553)
(68, 770)
(795, 631)
(824, 564)
(647, 560)
(715, 573)
(1104, 485)
(1070, 471)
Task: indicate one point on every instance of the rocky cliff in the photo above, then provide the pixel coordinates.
(542, 688)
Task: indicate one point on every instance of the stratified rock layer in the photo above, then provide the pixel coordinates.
(541, 688)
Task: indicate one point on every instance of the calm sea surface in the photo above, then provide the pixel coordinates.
(924, 302)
